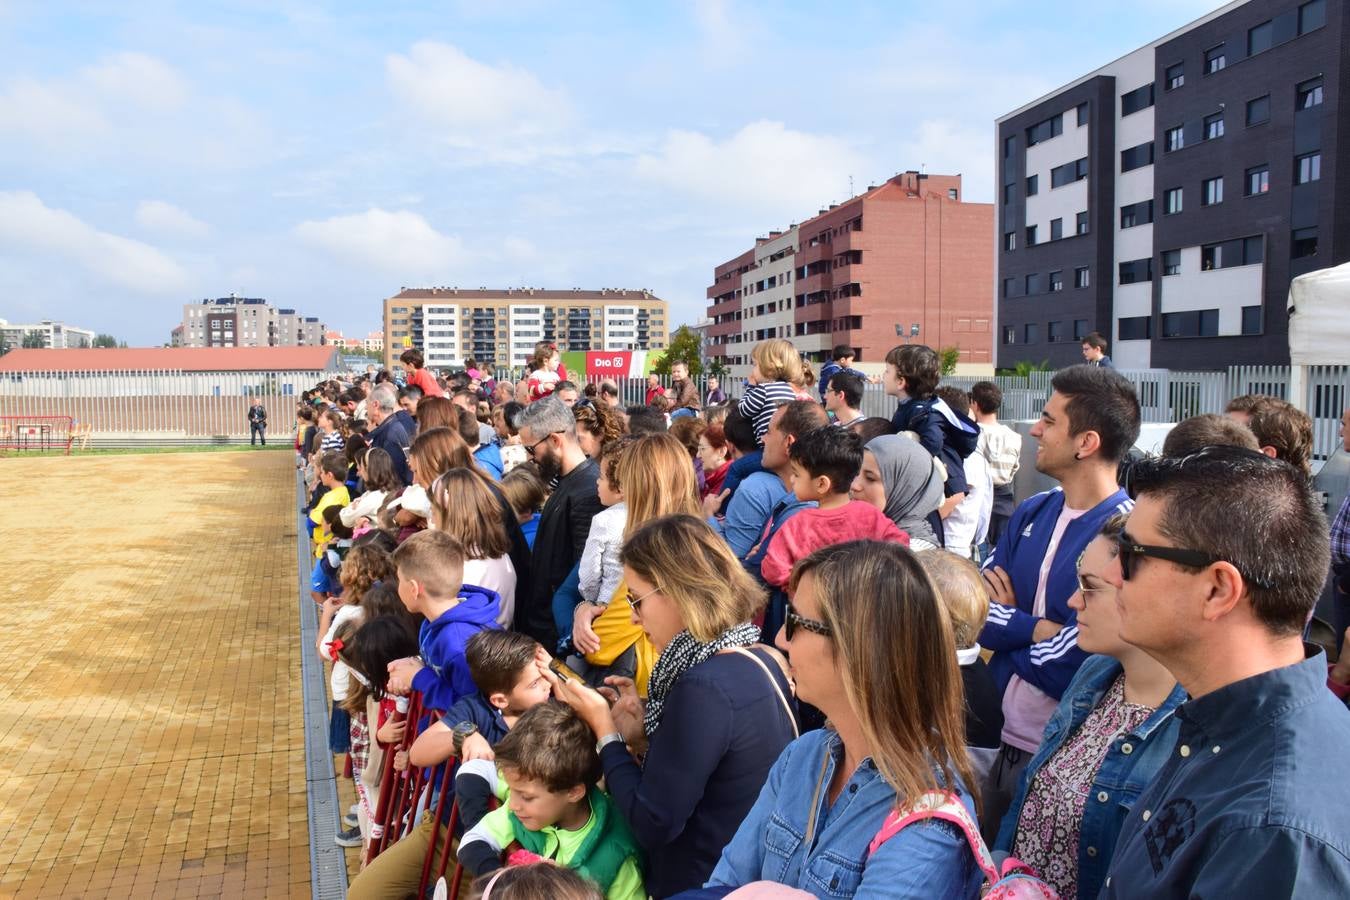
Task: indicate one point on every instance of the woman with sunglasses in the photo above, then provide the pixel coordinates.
(870, 644)
(1111, 733)
(718, 709)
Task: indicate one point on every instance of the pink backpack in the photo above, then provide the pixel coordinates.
(1013, 881)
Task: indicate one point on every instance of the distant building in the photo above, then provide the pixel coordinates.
(909, 257)
(374, 342)
(55, 335)
(501, 327)
(336, 339)
(1168, 198)
(247, 322)
(176, 336)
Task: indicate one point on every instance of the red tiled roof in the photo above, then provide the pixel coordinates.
(185, 359)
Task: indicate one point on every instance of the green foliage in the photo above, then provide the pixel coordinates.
(684, 347)
(948, 358)
(33, 340)
(1025, 367)
(718, 368)
(105, 340)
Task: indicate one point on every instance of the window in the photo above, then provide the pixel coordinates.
(1031, 235)
(1033, 285)
(1044, 131)
(1009, 334)
(1136, 270)
(1258, 110)
(1303, 243)
(1308, 94)
(1253, 250)
(1215, 59)
(1080, 277)
(1171, 262)
(1251, 320)
(1069, 173)
(1033, 185)
(1174, 139)
(1307, 167)
(1211, 257)
(1082, 225)
(1056, 282)
(1214, 126)
(1080, 329)
(1009, 193)
(1135, 100)
(1136, 214)
(1010, 240)
(1007, 287)
(1082, 114)
(1211, 191)
(1248, 251)
(1192, 323)
(1056, 229)
(1260, 38)
(1136, 157)
(1134, 328)
(1030, 333)
(1172, 201)
(1257, 180)
(1054, 332)
(1009, 145)
(1311, 15)
(1174, 76)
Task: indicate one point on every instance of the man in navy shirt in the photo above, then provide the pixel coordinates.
(1220, 566)
(1094, 351)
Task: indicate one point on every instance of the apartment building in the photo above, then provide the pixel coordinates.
(55, 335)
(246, 322)
(1167, 198)
(501, 327)
(908, 257)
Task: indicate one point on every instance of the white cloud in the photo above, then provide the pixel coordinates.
(765, 169)
(947, 147)
(472, 102)
(399, 241)
(28, 224)
(169, 220)
(722, 39)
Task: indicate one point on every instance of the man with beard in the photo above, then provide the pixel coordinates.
(548, 431)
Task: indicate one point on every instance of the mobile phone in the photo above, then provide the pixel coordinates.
(560, 669)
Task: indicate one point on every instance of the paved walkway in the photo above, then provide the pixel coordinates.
(147, 741)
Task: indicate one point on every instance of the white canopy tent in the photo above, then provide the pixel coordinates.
(1319, 325)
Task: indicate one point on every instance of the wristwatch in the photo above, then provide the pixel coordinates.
(460, 732)
(613, 737)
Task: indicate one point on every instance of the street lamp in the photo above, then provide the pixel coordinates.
(913, 332)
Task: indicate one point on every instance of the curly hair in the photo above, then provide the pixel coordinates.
(601, 421)
(364, 565)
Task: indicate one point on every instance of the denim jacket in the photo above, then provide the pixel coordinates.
(927, 859)
(1129, 766)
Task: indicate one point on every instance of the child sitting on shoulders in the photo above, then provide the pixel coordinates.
(554, 811)
(824, 463)
(778, 368)
(600, 571)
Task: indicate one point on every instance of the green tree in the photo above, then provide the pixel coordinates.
(105, 340)
(948, 357)
(34, 340)
(684, 347)
(718, 368)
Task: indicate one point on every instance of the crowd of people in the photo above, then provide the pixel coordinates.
(753, 643)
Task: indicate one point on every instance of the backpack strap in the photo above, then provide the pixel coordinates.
(949, 808)
(777, 688)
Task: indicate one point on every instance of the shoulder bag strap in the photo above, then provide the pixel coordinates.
(948, 808)
(777, 688)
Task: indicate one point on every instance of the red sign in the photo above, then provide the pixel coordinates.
(608, 363)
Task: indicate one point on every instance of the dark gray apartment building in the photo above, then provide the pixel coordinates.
(1167, 199)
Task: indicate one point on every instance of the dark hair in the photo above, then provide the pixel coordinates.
(842, 351)
(565, 386)
(1257, 513)
(872, 427)
(411, 392)
(306, 413)
(1207, 430)
(1100, 400)
(609, 388)
(464, 392)
(381, 641)
(954, 397)
(549, 743)
(413, 357)
(986, 396)
(1288, 429)
(919, 365)
(836, 453)
(334, 462)
(380, 472)
(1095, 339)
(801, 416)
(645, 420)
(850, 385)
(353, 447)
(381, 599)
(496, 657)
(468, 426)
(740, 431)
(511, 409)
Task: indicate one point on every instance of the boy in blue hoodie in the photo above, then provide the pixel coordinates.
(430, 567)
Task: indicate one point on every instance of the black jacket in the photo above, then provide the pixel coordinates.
(564, 526)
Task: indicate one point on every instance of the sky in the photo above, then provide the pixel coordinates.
(323, 156)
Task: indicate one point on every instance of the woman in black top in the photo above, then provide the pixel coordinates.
(718, 710)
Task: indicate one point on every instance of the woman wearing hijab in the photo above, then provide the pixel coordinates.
(899, 478)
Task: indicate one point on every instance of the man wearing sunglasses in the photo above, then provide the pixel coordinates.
(1221, 563)
(1087, 426)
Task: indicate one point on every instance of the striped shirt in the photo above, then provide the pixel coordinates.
(761, 400)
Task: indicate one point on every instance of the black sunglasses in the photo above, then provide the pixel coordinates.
(794, 621)
(530, 448)
(1199, 559)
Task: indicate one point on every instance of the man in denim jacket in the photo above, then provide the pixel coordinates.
(1222, 561)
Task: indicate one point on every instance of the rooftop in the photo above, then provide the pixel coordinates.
(183, 359)
(604, 295)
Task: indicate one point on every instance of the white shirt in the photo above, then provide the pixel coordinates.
(339, 678)
(968, 524)
(600, 571)
(496, 575)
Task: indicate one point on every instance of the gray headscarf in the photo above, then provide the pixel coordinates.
(913, 485)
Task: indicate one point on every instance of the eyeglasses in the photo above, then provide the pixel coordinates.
(637, 604)
(795, 621)
(530, 448)
(1084, 588)
(1198, 559)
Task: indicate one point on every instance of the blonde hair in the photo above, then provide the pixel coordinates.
(657, 478)
(464, 507)
(695, 569)
(778, 360)
(961, 588)
(892, 638)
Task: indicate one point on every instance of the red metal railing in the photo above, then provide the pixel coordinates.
(36, 433)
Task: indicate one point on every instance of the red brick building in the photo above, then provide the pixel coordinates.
(908, 252)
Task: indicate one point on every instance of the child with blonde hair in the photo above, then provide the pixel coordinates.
(773, 380)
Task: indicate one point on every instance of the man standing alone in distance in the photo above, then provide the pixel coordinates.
(257, 422)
